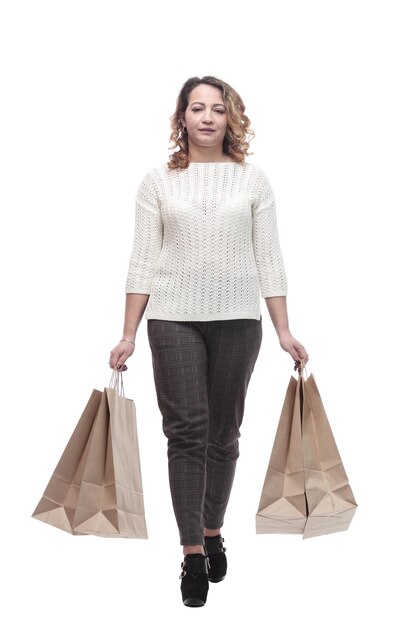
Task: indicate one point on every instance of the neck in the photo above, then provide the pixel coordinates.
(198, 155)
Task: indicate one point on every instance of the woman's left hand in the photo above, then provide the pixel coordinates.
(294, 347)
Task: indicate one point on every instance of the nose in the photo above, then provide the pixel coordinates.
(207, 117)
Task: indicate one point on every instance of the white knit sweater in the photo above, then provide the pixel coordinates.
(206, 242)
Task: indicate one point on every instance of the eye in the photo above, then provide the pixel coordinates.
(197, 109)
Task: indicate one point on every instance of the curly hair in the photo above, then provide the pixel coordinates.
(238, 132)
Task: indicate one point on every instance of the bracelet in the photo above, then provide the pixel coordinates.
(128, 341)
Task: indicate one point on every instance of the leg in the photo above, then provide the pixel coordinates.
(233, 348)
(179, 358)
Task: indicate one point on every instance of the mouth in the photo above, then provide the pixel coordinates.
(206, 130)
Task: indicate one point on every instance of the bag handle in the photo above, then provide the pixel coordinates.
(303, 369)
(116, 381)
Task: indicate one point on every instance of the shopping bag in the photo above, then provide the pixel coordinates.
(330, 500)
(110, 501)
(282, 506)
(96, 487)
(58, 503)
(305, 460)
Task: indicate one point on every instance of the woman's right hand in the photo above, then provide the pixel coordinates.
(120, 354)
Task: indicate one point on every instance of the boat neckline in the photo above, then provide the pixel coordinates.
(214, 163)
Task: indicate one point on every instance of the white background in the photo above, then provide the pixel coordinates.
(330, 89)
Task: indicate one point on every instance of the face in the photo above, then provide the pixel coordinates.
(206, 117)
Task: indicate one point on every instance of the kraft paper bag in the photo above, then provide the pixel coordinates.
(110, 502)
(103, 492)
(58, 503)
(282, 506)
(330, 500)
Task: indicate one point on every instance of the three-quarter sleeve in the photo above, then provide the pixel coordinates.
(147, 241)
(266, 245)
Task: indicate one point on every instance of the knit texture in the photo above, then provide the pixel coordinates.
(206, 242)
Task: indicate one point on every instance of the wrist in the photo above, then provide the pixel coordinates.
(283, 332)
(127, 340)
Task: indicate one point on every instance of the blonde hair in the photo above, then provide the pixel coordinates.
(238, 132)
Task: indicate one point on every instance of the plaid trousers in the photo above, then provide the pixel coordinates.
(201, 372)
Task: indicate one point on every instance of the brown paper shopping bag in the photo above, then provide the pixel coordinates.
(330, 500)
(58, 503)
(110, 501)
(282, 506)
(96, 487)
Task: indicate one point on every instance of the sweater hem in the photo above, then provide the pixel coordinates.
(195, 317)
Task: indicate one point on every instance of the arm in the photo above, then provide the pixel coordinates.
(146, 248)
(134, 309)
(266, 245)
(271, 271)
(147, 242)
(277, 307)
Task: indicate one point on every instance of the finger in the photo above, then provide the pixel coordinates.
(303, 353)
(297, 362)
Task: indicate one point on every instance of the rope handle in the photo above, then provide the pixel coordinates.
(116, 381)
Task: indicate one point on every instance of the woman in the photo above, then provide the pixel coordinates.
(206, 243)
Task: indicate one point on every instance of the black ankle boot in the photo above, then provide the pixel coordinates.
(217, 558)
(194, 579)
